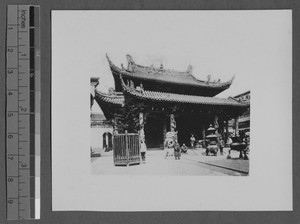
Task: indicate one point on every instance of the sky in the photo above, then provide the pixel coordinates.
(217, 43)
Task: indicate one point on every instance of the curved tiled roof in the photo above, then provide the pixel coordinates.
(181, 98)
(166, 75)
(117, 99)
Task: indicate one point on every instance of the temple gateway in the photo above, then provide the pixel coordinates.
(153, 101)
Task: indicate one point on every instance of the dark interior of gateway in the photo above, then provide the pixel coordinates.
(187, 123)
(154, 130)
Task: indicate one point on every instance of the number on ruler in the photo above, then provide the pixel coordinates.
(23, 109)
(23, 165)
(10, 71)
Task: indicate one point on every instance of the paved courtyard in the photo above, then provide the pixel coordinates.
(193, 163)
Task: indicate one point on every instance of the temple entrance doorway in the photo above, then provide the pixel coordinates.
(154, 130)
(188, 124)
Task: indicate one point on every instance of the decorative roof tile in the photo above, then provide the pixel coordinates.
(166, 75)
(113, 98)
(180, 98)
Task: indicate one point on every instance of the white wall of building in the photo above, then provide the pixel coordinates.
(97, 137)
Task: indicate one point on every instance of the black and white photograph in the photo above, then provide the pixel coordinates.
(154, 116)
(190, 104)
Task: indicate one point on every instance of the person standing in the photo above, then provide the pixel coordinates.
(193, 139)
(143, 150)
(177, 149)
(221, 144)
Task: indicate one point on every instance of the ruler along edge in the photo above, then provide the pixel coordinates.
(33, 95)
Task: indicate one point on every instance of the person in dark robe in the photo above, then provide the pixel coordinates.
(177, 150)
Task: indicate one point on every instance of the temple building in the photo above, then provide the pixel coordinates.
(244, 119)
(158, 100)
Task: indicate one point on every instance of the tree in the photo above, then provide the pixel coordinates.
(128, 118)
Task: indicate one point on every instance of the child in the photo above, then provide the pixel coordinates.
(143, 150)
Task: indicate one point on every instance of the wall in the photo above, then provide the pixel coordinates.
(97, 137)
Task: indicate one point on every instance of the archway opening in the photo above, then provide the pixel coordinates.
(155, 128)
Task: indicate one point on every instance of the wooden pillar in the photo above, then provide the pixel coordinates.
(173, 125)
(203, 132)
(236, 125)
(203, 136)
(216, 124)
(222, 128)
(227, 135)
(141, 122)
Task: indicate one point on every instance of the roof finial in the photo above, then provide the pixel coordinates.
(232, 78)
(161, 66)
(131, 63)
(208, 78)
(109, 61)
(190, 70)
(130, 59)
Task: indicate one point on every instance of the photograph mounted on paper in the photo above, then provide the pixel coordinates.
(143, 97)
(159, 121)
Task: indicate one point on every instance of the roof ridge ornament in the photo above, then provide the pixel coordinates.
(189, 71)
(129, 58)
(161, 67)
(108, 59)
(111, 91)
(131, 64)
(232, 78)
(208, 78)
